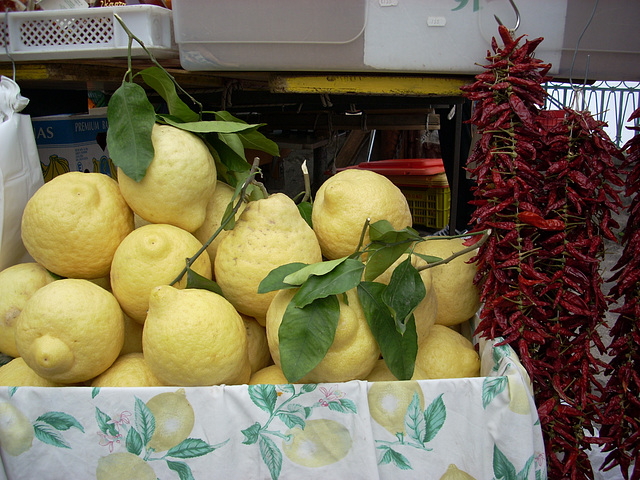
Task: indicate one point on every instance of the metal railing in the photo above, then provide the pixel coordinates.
(611, 102)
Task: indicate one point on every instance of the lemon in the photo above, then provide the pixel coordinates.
(257, 345)
(73, 224)
(194, 337)
(178, 183)
(216, 208)
(128, 370)
(345, 201)
(17, 284)
(381, 373)
(17, 373)
(389, 401)
(518, 396)
(457, 296)
(321, 443)
(454, 473)
(426, 311)
(132, 336)
(174, 418)
(354, 350)
(447, 354)
(268, 375)
(124, 466)
(70, 331)
(269, 233)
(16, 432)
(149, 256)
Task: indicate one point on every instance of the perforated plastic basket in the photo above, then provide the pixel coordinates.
(429, 206)
(86, 33)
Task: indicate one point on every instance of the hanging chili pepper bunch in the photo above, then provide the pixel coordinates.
(622, 393)
(546, 194)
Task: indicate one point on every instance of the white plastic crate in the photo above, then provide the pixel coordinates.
(86, 33)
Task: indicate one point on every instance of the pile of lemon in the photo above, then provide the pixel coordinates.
(103, 303)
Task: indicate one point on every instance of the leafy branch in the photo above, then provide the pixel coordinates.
(310, 320)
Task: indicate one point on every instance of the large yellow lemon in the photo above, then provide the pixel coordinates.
(128, 370)
(178, 183)
(269, 233)
(194, 337)
(73, 224)
(17, 284)
(457, 297)
(345, 201)
(213, 219)
(354, 350)
(149, 256)
(70, 331)
(447, 354)
(17, 373)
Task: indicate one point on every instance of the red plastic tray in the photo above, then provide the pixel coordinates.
(410, 166)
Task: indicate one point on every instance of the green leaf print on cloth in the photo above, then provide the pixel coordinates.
(421, 427)
(307, 442)
(159, 430)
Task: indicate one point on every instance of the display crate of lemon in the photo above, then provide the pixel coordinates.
(119, 370)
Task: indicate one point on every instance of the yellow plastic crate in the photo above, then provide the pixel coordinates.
(429, 206)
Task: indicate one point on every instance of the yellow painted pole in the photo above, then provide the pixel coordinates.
(406, 85)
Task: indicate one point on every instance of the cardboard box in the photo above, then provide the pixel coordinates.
(73, 143)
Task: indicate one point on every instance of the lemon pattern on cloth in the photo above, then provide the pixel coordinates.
(389, 401)
(73, 224)
(124, 466)
(178, 182)
(454, 473)
(174, 419)
(269, 233)
(16, 431)
(345, 201)
(17, 284)
(322, 442)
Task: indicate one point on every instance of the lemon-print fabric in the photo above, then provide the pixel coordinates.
(483, 426)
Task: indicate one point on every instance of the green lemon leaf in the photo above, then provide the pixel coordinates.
(233, 141)
(195, 280)
(208, 126)
(382, 231)
(275, 279)
(345, 276)
(414, 421)
(321, 268)
(305, 209)
(131, 117)
(306, 334)
(251, 139)
(428, 258)
(161, 82)
(380, 258)
(398, 350)
(60, 421)
(404, 292)
(227, 157)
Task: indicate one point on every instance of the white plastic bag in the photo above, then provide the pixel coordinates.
(20, 171)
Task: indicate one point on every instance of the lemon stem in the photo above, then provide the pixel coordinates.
(223, 223)
(153, 59)
(362, 234)
(470, 248)
(307, 181)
